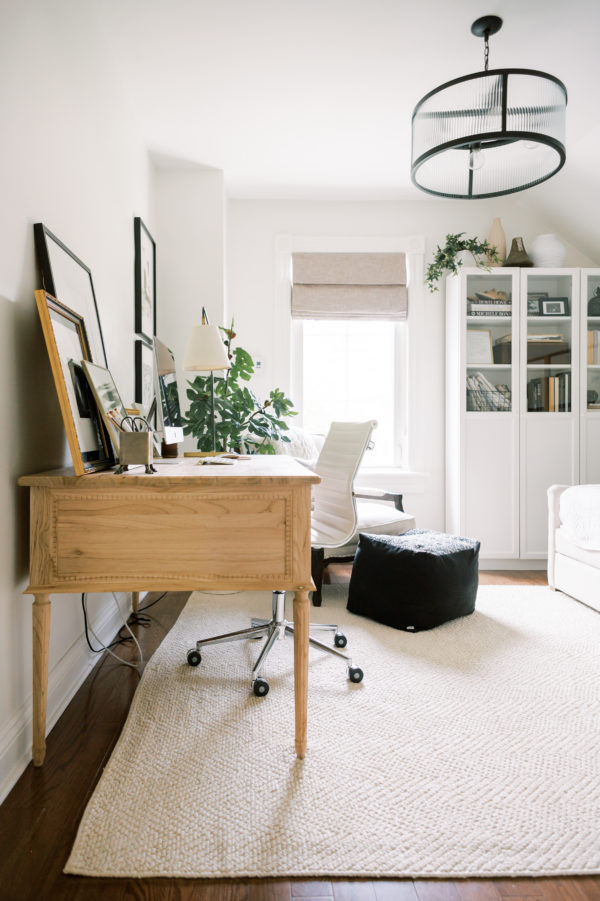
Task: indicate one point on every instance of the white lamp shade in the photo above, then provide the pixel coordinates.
(205, 350)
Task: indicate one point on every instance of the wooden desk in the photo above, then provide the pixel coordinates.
(187, 527)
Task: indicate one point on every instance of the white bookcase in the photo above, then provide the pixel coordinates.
(589, 445)
(514, 339)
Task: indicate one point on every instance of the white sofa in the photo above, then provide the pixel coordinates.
(574, 541)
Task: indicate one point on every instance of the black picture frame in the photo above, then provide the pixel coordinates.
(533, 305)
(554, 306)
(144, 373)
(145, 280)
(67, 343)
(65, 277)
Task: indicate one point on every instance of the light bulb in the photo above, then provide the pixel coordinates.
(476, 158)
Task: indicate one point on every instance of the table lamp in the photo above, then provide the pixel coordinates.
(206, 352)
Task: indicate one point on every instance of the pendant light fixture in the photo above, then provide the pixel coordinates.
(491, 133)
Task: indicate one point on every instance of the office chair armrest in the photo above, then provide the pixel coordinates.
(376, 494)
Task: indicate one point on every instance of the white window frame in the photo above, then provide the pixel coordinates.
(411, 369)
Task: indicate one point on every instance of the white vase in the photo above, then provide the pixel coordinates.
(497, 239)
(547, 251)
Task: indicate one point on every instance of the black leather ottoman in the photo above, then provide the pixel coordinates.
(414, 581)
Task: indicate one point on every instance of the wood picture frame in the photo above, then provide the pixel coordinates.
(144, 373)
(67, 343)
(145, 281)
(479, 347)
(107, 398)
(69, 280)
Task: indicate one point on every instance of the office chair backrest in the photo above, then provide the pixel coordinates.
(334, 512)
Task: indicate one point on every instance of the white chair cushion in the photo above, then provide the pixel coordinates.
(376, 519)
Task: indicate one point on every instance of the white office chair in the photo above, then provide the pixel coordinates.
(334, 522)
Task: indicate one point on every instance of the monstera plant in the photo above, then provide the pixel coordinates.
(243, 423)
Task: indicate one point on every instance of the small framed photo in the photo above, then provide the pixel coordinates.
(479, 347)
(68, 348)
(555, 306)
(145, 281)
(144, 373)
(108, 400)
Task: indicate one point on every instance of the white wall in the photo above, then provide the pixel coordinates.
(68, 158)
(252, 229)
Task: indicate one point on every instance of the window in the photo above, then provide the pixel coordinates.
(348, 371)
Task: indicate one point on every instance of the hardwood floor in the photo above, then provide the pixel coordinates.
(39, 818)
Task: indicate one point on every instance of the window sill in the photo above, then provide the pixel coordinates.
(392, 478)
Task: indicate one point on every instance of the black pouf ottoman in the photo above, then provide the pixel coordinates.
(414, 581)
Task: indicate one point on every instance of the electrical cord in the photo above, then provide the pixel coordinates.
(119, 640)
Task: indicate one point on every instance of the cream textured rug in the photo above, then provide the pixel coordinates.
(469, 750)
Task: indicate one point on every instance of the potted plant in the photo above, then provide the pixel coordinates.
(243, 423)
(447, 259)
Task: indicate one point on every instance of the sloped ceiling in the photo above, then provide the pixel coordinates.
(313, 98)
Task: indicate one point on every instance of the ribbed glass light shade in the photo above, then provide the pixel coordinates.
(512, 120)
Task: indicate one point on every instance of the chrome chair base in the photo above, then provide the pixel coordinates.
(277, 628)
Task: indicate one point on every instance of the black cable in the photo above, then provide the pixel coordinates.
(119, 640)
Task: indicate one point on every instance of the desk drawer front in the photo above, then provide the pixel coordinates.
(177, 536)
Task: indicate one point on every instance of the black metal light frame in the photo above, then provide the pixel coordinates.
(489, 139)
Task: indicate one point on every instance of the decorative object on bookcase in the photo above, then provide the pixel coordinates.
(518, 254)
(554, 306)
(491, 303)
(483, 396)
(548, 251)
(448, 259)
(594, 304)
(497, 239)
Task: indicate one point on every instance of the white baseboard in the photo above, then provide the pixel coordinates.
(512, 564)
(63, 681)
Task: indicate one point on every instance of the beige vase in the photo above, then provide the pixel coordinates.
(497, 239)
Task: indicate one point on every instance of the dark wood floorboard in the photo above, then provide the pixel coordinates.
(39, 818)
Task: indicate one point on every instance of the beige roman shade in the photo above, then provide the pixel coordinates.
(349, 286)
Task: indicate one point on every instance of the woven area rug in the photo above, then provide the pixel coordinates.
(469, 750)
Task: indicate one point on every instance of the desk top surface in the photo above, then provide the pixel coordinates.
(257, 468)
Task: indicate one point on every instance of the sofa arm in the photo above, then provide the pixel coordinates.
(554, 495)
(376, 494)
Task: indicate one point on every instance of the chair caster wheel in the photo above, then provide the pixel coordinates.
(194, 657)
(340, 640)
(260, 688)
(355, 674)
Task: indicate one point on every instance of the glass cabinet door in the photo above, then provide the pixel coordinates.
(549, 343)
(590, 310)
(489, 342)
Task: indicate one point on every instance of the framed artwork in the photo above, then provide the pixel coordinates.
(65, 277)
(67, 343)
(108, 400)
(534, 304)
(479, 347)
(554, 306)
(144, 373)
(145, 281)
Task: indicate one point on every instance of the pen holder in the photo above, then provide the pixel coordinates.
(135, 448)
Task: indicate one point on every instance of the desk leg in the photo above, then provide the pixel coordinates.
(41, 641)
(135, 601)
(301, 616)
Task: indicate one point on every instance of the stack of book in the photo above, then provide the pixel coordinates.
(550, 394)
(482, 395)
(593, 347)
(489, 303)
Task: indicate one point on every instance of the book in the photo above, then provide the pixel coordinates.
(491, 308)
(490, 313)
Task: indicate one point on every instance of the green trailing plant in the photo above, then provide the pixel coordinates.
(446, 258)
(242, 421)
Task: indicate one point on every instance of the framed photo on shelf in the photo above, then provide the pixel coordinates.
(67, 343)
(479, 347)
(69, 280)
(534, 303)
(145, 280)
(144, 373)
(554, 306)
(108, 400)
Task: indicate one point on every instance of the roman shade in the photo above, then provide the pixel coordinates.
(349, 286)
